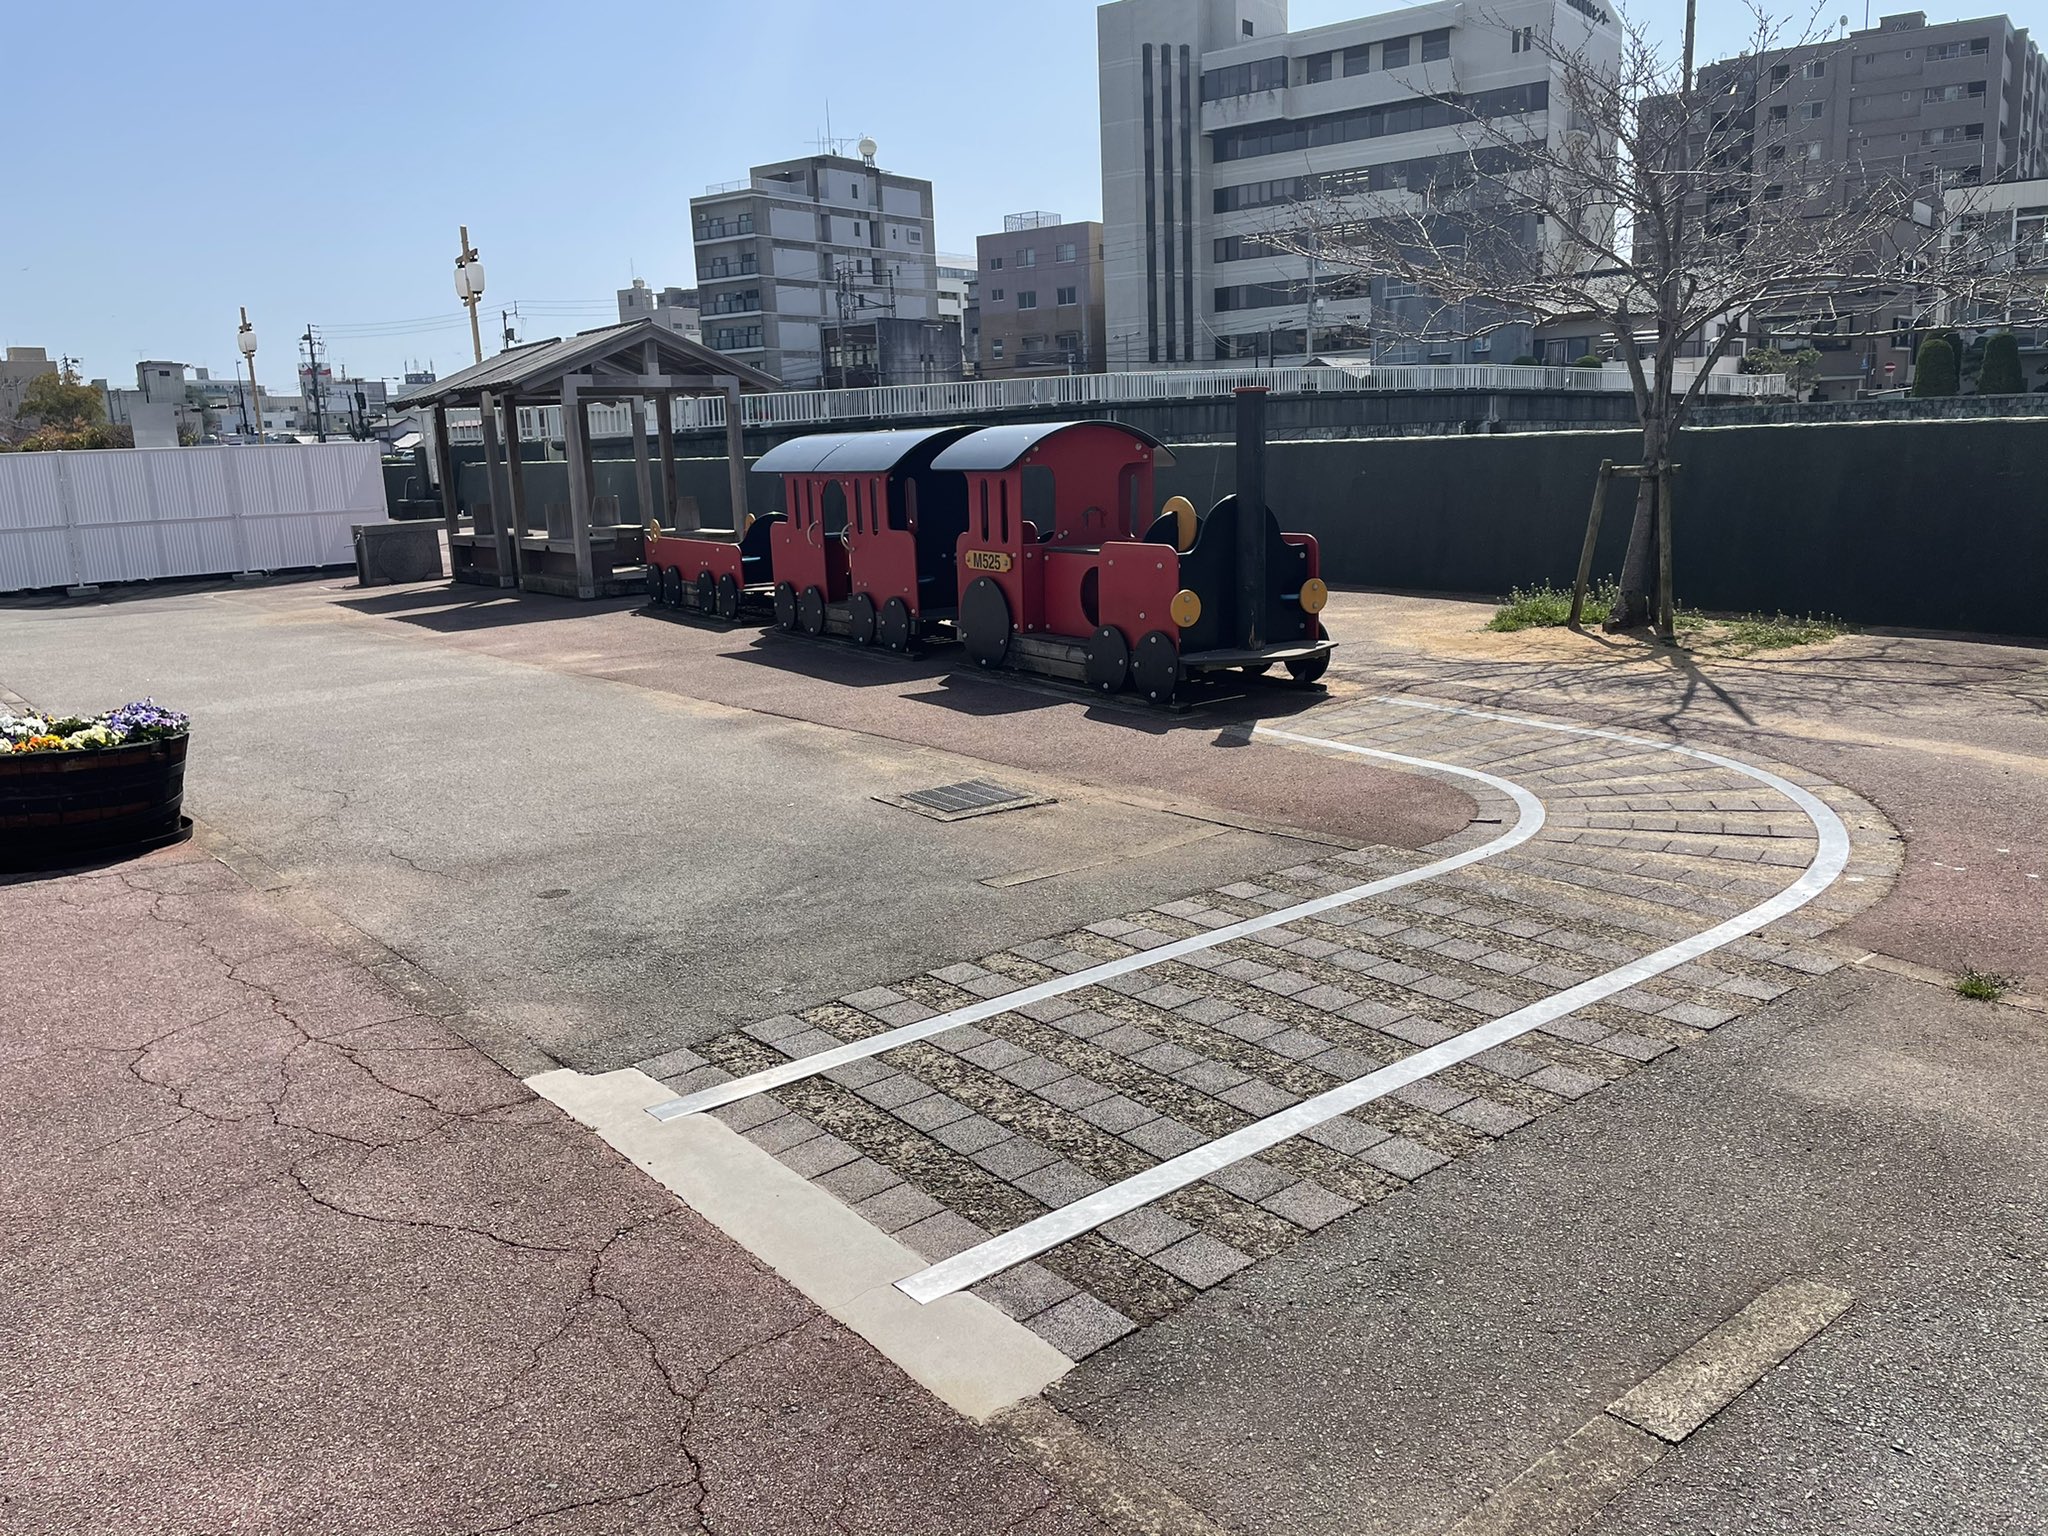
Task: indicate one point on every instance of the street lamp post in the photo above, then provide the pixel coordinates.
(245, 341)
(469, 287)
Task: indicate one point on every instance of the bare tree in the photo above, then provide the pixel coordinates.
(1653, 199)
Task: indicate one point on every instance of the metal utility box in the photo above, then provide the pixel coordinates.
(387, 553)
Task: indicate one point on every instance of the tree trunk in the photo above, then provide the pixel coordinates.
(1637, 600)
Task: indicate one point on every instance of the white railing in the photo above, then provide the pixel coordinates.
(819, 407)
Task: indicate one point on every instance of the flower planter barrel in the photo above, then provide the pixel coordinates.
(59, 808)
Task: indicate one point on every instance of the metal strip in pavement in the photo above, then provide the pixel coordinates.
(1528, 821)
(978, 1263)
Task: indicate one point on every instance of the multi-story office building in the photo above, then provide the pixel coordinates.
(1216, 120)
(1041, 297)
(676, 308)
(805, 244)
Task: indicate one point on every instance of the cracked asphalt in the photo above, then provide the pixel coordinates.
(288, 1255)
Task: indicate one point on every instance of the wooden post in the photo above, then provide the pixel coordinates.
(576, 448)
(501, 499)
(643, 478)
(735, 457)
(1667, 619)
(1592, 538)
(665, 427)
(515, 479)
(444, 466)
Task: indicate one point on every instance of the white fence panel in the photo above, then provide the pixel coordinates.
(68, 519)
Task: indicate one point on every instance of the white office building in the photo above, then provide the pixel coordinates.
(1216, 118)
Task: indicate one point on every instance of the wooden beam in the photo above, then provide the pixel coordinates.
(515, 476)
(576, 449)
(501, 492)
(735, 457)
(643, 480)
(444, 466)
(665, 427)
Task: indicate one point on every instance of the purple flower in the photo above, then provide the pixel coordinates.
(146, 720)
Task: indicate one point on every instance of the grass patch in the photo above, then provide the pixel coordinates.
(1982, 986)
(1756, 632)
(1548, 607)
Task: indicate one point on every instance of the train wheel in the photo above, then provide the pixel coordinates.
(893, 628)
(860, 615)
(671, 587)
(1155, 667)
(985, 622)
(1306, 669)
(707, 592)
(1109, 660)
(728, 598)
(785, 607)
(810, 612)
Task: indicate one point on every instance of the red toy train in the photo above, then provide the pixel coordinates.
(1034, 546)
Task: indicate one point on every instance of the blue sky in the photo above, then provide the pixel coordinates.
(166, 165)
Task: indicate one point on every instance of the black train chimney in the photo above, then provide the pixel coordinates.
(1251, 516)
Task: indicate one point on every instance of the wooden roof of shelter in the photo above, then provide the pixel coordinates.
(534, 372)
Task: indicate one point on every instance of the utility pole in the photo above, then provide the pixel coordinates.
(469, 287)
(312, 343)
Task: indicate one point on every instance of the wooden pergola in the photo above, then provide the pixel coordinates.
(573, 551)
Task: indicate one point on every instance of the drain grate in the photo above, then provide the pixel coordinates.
(957, 802)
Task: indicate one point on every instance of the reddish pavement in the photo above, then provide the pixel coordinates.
(288, 1256)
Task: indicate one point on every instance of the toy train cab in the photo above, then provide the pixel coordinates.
(1064, 570)
(711, 570)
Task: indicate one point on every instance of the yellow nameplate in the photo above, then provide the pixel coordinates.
(987, 560)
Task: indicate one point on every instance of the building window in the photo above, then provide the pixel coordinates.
(1064, 252)
(1028, 257)
(1318, 67)
(995, 348)
(1394, 55)
(1522, 40)
(1243, 79)
(1068, 342)
(1358, 61)
(1027, 298)
(1779, 113)
(1971, 92)
(1976, 46)
(995, 295)
(857, 229)
(1436, 45)
(917, 237)
(1409, 115)
(1811, 111)
(1780, 73)
(1956, 134)
(1247, 29)
(1066, 296)
(995, 263)
(1813, 69)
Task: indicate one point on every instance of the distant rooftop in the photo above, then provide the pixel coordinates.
(1036, 218)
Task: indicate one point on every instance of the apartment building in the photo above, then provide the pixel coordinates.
(1041, 297)
(802, 245)
(676, 308)
(1216, 119)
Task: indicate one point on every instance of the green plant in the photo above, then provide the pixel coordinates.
(1591, 360)
(1982, 986)
(2001, 373)
(1548, 607)
(1776, 632)
(1934, 373)
(1528, 360)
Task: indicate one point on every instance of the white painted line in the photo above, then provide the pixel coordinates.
(1055, 1227)
(1528, 820)
(963, 1351)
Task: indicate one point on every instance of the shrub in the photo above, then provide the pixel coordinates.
(1548, 607)
(1934, 373)
(1526, 360)
(1591, 360)
(2001, 374)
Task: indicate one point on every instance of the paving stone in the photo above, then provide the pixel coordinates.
(1373, 1015)
(1014, 1157)
(1126, 1040)
(1250, 1179)
(1357, 960)
(897, 1207)
(1568, 1082)
(1284, 983)
(995, 1054)
(1582, 1030)
(1117, 1114)
(808, 1043)
(1047, 1009)
(1461, 949)
(781, 1027)
(1258, 1097)
(1076, 1092)
(1445, 988)
(671, 1063)
(994, 986)
(1213, 1077)
(1343, 1134)
(962, 1038)
(698, 1078)
(780, 1135)
(896, 1015)
(941, 1235)
(970, 1135)
(1314, 949)
(859, 1180)
(1165, 1137)
(894, 1091)
(1505, 964)
(1295, 1044)
(1200, 1260)
(1058, 1184)
(873, 998)
(1334, 999)
(1308, 1205)
(1431, 1095)
(1085, 1025)
(1634, 1047)
(1168, 1058)
(1111, 928)
(1509, 1061)
(1128, 986)
(960, 975)
(1697, 1015)
(1398, 974)
(1486, 1003)
(1208, 1010)
(1168, 995)
(1026, 1290)
(1244, 890)
(1251, 1027)
(858, 1074)
(1244, 970)
(1080, 1325)
(821, 1154)
(1068, 961)
(932, 1112)
(1146, 1230)
(1345, 1063)
(1150, 938)
(748, 1113)
(1403, 1158)
(1488, 1117)
(1034, 1072)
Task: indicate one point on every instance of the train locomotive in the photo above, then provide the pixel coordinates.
(1035, 547)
